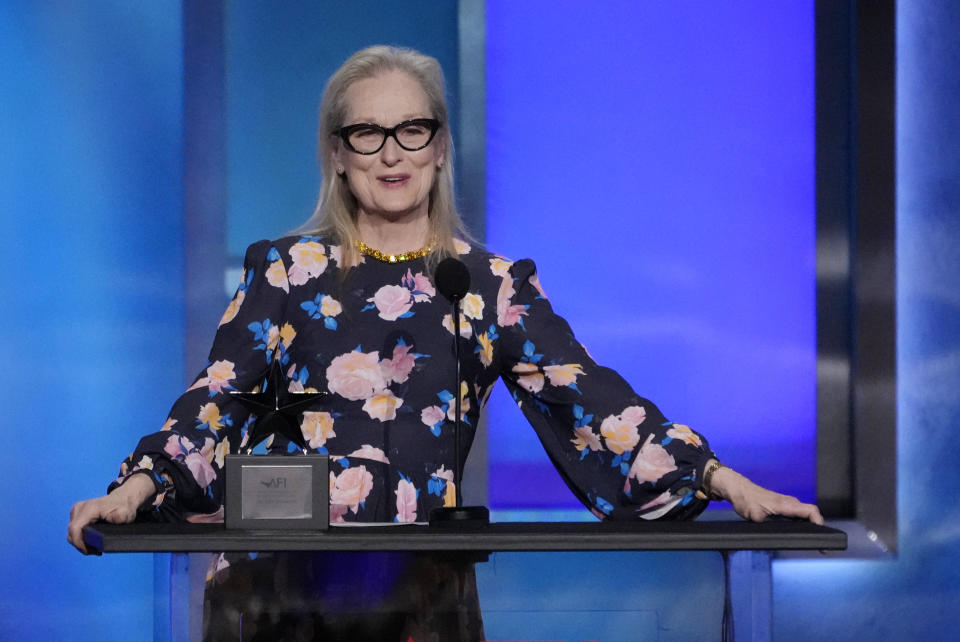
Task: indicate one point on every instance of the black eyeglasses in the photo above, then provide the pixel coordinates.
(367, 138)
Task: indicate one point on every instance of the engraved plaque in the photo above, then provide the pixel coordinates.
(277, 491)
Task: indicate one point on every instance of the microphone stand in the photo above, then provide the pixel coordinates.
(458, 515)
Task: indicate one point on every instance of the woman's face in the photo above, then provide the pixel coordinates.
(392, 183)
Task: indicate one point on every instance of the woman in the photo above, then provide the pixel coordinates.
(349, 308)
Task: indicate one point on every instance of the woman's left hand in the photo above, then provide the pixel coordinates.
(756, 503)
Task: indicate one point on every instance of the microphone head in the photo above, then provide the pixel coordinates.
(452, 279)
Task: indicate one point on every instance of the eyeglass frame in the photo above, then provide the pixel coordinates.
(344, 133)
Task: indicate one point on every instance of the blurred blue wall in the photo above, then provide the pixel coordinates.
(916, 595)
(657, 161)
(91, 229)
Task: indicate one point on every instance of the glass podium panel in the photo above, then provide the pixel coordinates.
(539, 596)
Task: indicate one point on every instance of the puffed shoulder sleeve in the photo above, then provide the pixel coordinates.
(615, 450)
(185, 457)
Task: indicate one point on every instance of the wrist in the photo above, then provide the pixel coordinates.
(706, 482)
(718, 480)
(136, 490)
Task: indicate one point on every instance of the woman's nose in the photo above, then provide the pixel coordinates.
(391, 152)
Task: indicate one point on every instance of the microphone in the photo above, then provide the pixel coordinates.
(452, 279)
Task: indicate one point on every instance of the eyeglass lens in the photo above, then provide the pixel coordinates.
(367, 139)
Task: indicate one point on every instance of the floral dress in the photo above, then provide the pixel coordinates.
(379, 342)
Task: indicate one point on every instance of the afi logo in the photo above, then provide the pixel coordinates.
(276, 482)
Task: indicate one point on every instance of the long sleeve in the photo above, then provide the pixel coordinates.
(615, 449)
(185, 457)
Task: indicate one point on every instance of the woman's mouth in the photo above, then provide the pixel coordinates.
(394, 180)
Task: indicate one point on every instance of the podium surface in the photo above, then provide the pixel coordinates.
(494, 537)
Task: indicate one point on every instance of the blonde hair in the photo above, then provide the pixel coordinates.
(336, 210)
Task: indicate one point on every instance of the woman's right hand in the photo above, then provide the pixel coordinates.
(118, 507)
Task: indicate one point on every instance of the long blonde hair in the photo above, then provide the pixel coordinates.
(336, 211)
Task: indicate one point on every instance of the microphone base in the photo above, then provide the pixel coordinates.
(460, 516)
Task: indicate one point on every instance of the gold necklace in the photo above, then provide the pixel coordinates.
(363, 248)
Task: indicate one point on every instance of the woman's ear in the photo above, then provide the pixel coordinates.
(441, 156)
(336, 161)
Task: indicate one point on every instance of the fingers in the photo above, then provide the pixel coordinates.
(81, 514)
(110, 508)
(792, 507)
(756, 504)
(810, 512)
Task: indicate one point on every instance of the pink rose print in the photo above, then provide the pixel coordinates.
(277, 277)
(472, 306)
(635, 415)
(398, 368)
(500, 266)
(383, 406)
(620, 436)
(309, 261)
(392, 301)
(683, 433)
(406, 501)
(659, 500)
(231, 312)
(174, 448)
(337, 511)
(422, 287)
(530, 379)
(444, 474)
(508, 314)
(355, 375)
(366, 451)
(219, 376)
(652, 462)
(586, 438)
(620, 431)
(351, 487)
(432, 415)
(200, 468)
(466, 330)
(317, 428)
(563, 374)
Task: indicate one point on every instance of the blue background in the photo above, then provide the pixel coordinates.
(92, 216)
(665, 188)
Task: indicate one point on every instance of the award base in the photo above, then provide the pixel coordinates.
(288, 492)
(460, 516)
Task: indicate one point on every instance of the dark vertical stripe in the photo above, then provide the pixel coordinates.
(204, 176)
(471, 151)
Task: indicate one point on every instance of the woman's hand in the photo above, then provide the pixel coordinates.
(118, 507)
(755, 502)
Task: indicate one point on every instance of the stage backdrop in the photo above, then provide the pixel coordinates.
(663, 181)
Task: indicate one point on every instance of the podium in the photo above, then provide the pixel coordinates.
(746, 549)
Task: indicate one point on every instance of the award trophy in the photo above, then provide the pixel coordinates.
(276, 491)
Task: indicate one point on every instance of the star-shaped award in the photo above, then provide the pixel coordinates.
(276, 409)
